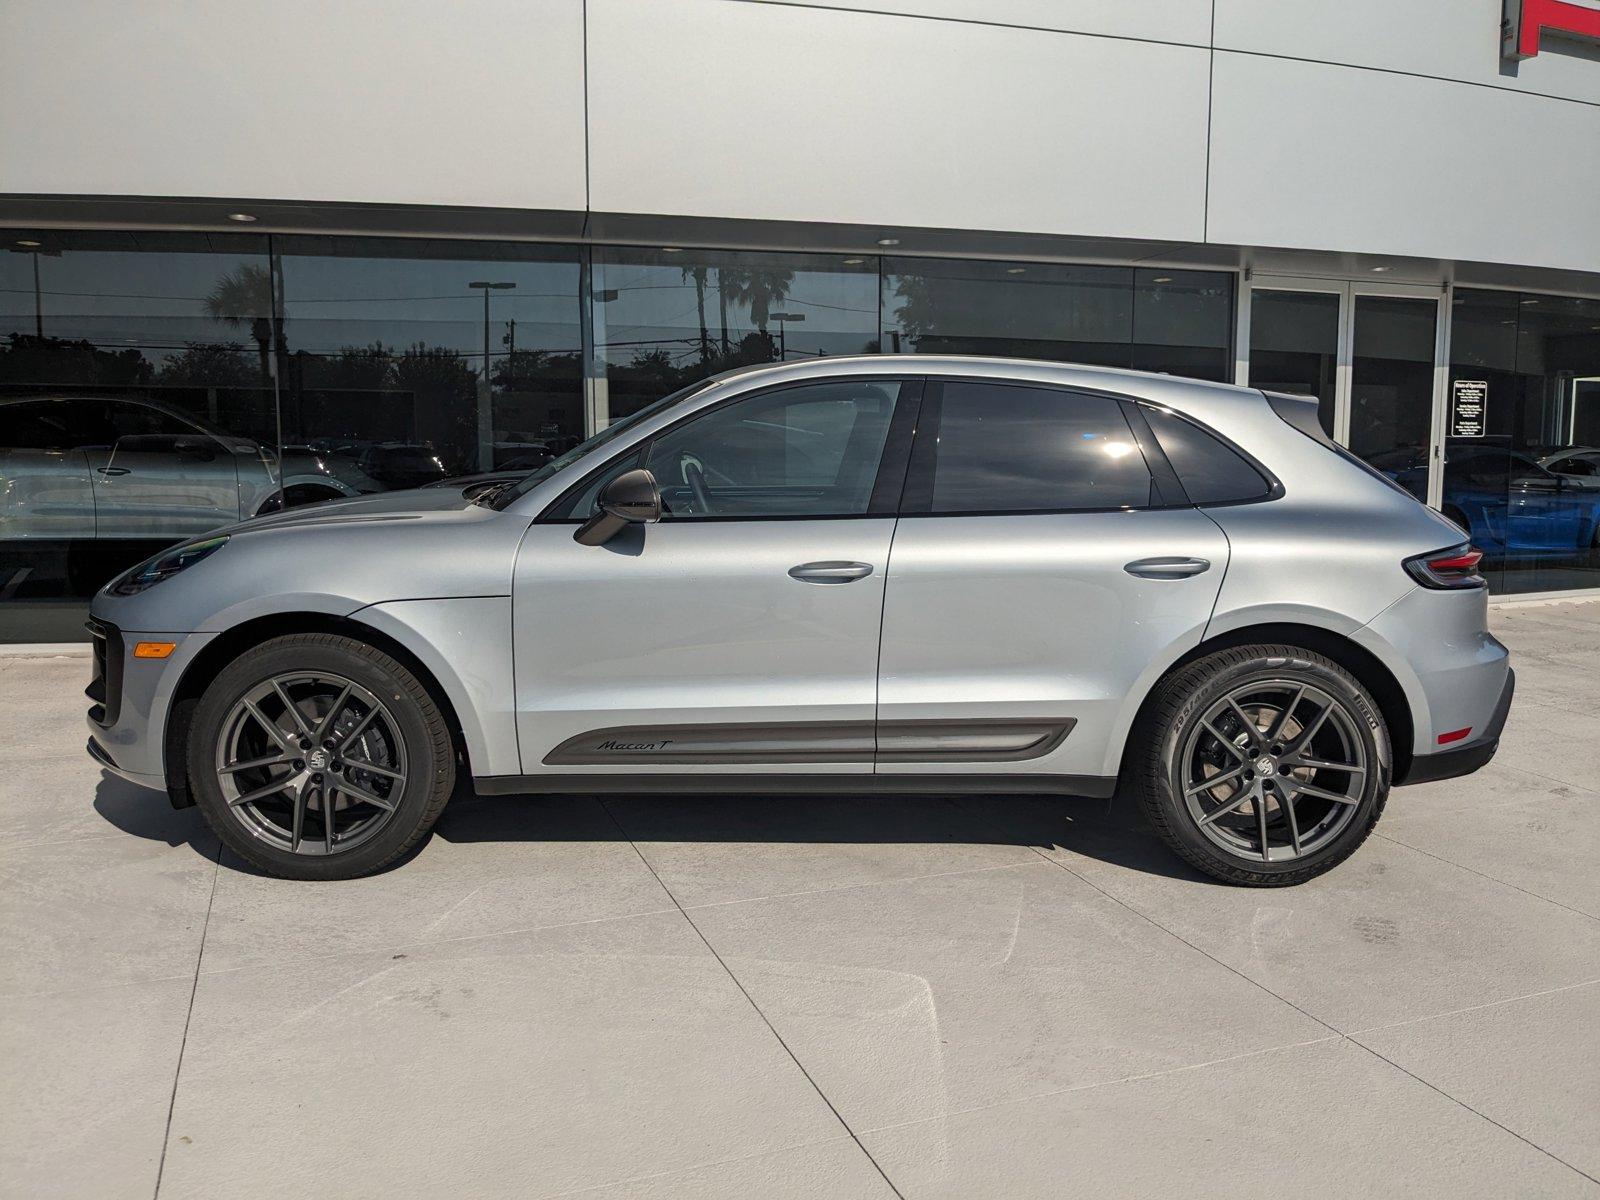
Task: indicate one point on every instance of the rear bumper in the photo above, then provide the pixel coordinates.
(1464, 760)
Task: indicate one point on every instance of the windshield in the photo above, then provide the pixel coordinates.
(502, 497)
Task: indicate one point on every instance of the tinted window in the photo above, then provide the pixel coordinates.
(1210, 472)
(49, 425)
(139, 420)
(1020, 449)
(802, 451)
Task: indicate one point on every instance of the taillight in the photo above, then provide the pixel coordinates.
(1456, 567)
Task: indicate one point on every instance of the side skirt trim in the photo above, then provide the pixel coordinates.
(1097, 787)
(1001, 739)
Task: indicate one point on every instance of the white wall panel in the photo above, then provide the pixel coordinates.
(470, 102)
(1453, 39)
(1338, 158)
(1187, 21)
(767, 111)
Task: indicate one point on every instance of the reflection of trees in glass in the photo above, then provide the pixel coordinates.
(760, 289)
(210, 364)
(243, 297)
(435, 371)
(535, 370)
(918, 313)
(27, 358)
(698, 274)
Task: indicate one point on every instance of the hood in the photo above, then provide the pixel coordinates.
(384, 506)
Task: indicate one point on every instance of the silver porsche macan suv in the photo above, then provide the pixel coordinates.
(853, 575)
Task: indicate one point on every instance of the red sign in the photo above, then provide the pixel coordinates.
(1527, 19)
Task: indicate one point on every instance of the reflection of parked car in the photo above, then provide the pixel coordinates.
(77, 467)
(1515, 508)
(1581, 462)
(401, 465)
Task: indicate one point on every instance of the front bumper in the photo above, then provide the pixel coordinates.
(130, 700)
(1464, 760)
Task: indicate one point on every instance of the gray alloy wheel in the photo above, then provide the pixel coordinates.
(311, 763)
(1263, 765)
(318, 756)
(1274, 770)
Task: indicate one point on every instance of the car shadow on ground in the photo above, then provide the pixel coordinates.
(1111, 831)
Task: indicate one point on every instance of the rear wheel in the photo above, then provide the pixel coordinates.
(1262, 765)
(315, 756)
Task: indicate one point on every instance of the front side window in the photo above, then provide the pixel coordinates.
(808, 451)
(1005, 448)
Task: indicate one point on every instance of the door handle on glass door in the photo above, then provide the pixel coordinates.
(830, 572)
(1167, 568)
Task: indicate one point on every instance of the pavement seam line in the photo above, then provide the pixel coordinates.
(1473, 1111)
(183, 1042)
(1472, 1008)
(1450, 862)
(794, 1058)
(1343, 1036)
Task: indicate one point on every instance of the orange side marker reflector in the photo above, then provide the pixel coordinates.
(154, 649)
(1455, 735)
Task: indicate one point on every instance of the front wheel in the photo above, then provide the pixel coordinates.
(315, 756)
(1262, 765)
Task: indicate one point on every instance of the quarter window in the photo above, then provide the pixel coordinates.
(1004, 448)
(1210, 472)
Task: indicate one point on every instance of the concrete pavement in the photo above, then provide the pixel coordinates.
(850, 997)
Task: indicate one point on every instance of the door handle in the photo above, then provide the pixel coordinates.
(830, 572)
(1167, 568)
(112, 470)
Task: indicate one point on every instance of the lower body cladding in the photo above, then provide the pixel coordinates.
(867, 743)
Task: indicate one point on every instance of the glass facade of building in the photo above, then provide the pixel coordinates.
(1522, 436)
(156, 385)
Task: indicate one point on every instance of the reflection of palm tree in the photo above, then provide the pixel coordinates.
(698, 274)
(759, 289)
(244, 297)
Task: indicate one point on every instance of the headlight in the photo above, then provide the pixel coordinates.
(164, 566)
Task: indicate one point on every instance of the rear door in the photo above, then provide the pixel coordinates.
(1042, 570)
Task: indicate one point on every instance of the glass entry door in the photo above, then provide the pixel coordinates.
(1373, 355)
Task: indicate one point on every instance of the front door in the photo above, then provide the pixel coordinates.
(1037, 581)
(739, 634)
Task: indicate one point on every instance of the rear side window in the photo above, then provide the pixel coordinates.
(1004, 448)
(1211, 472)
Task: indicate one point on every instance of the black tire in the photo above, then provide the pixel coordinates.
(1170, 733)
(413, 727)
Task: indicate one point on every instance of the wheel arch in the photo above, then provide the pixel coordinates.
(226, 646)
(1380, 682)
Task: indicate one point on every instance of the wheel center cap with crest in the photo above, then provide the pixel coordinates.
(318, 759)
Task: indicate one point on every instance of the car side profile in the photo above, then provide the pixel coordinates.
(849, 575)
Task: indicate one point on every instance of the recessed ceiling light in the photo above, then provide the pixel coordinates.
(27, 242)
(1381, 270)
(672, 249)
(242, 216)
(1016, 270)
(854, 262)
(1162, 279)
(888, 241)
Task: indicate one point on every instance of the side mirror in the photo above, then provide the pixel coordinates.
(629, 499)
